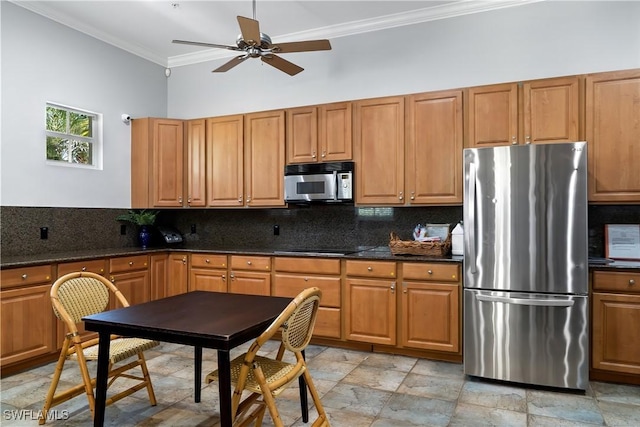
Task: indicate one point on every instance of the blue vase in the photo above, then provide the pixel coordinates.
(145, 236)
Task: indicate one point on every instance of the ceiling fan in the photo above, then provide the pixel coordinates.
(255, 44)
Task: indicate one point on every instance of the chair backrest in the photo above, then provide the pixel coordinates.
(297, 330)
(80, 294)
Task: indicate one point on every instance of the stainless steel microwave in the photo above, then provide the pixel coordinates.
(319, 182)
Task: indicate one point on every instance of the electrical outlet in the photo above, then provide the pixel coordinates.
(44, 233)
(276, 230)
(123, 229)
(193, 229)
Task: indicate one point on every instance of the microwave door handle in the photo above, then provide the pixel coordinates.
(335, 188)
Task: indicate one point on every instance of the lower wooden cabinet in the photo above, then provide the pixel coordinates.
(208, 273)
(250, 275)
(616, 322)
(370, 302)
(430, 309)
(131, 277)
(27, 322)
(293, 275)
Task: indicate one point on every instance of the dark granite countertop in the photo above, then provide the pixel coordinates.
(381, 253)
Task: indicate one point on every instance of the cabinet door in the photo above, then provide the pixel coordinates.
(196, 173)
(28, 325)
(178, 274)
(492, 115)
(264, 158)
(134, 286)
(159, 269)
(551, 110)
(302, 135)
(248, 282)
(225, 161)
(168, 167)
(370, 311)
(334, 132)
(616, 322)
(379, 151)
(613, 132)
(208, 279)
(433, 158)
(430, 316)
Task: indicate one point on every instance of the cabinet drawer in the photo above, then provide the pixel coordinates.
(431, 271)
(251, 263)
(97, 266)
(208, 261)
(289, 285)
(327, 323)
(129, 263)
(618, 281)
(382, 269)
(25, 276)
(307, 265)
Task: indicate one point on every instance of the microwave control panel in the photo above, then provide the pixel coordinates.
(345, 183)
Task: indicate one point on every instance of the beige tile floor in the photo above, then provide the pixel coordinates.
(358, 389)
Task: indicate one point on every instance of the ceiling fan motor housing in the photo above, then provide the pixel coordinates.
(265, 42)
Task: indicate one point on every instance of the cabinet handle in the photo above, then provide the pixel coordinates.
(632, 282)
(313, 155)
(413, 195)
(513, 140)
(24, 277)
(404, 287)
(240, 198)
(248, 199)
(84, 268)
(324, 153)
(224, 277)
(180, 199)
(184, 260)
(207, 261)
(400, 196)
(527, 139)
(248, 262)
(130, 263)
(370, 268)
(113, 279)
(393, 288)
(430, 271)
(189, 199)
(232, 276)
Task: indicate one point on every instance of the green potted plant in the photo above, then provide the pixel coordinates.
(144, 219)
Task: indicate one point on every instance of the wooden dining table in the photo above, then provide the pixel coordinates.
(201, 319)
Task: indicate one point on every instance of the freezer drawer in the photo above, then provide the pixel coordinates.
(527, 338)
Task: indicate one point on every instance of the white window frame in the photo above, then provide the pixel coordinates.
(95, 140)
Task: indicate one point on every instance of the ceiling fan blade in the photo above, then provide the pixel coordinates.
(282, 64)
(303, 46)
(250, 29)
(219, 46)
(230, 64)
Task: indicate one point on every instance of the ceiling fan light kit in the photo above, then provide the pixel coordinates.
(255, 44)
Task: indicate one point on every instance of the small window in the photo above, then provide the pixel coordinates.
(73, 136)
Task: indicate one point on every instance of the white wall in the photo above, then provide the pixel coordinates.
(527, 42)
(537, 40)
(45, 61)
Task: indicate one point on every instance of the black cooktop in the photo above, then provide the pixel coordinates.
(318, 251)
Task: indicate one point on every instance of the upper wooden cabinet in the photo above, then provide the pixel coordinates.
(613, 136)
(537, 111)
(379, 150)
(319, 133)
(264, 146)
(196, 159)
(433, 152)
(225, 161)
(157, 156)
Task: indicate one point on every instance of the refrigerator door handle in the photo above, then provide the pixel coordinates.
(526, 301)
(470, 220)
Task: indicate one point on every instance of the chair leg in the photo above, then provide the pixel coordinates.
(268, 397)
(54, 381)
(322, 415)
(147, 379)
(86, 377)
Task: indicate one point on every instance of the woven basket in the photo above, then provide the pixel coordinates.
(412, 247)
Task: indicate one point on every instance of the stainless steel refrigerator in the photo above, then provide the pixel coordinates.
(526, 264)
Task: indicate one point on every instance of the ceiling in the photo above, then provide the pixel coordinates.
(146, 27)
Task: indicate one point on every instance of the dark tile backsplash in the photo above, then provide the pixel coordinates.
(314, 227)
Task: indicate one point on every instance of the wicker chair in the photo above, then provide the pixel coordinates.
(267, 377)
(74, 296)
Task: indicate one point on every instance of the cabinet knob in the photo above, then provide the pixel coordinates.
(232, 276)
(248, 262)
(430, 271)
(84, 268)
(632, 282)
(240, 198)
(130, 263)
(184, 260)
(413, 195)
(370, 268)
(513, 140)
(393, 287)
(306, 279)
(207, 261)
(224, 277)
(189, 199)
(313, 155)
(248, 199)
(400, 196)
(180, 199)
(527, 139)
(324, 153)
(24, 276)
